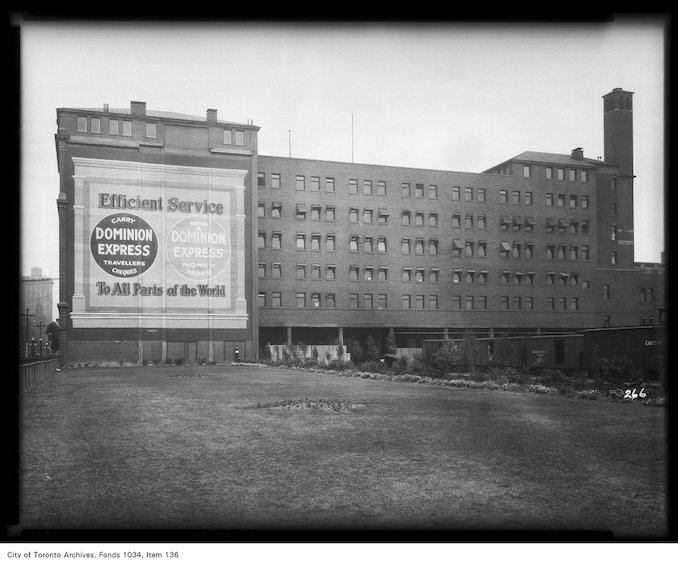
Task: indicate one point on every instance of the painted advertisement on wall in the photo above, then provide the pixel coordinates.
(158, 245)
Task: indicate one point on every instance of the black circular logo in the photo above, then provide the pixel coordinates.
(124, 245)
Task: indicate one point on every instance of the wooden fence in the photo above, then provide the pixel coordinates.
(35, 372)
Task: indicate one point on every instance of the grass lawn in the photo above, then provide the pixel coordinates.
(186, 447)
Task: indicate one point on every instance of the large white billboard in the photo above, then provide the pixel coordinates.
(158, 246)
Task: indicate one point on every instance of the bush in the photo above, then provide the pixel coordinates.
(337, 364)
(589, 394)
(552, 377)
(372, 351)
(447, 356)
(179, 361)
(372, 366)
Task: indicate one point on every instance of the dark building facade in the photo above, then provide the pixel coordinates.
(333, 251)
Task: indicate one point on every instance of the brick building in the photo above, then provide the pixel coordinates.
(329, 251)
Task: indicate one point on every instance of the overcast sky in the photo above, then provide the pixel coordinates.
(458, 97)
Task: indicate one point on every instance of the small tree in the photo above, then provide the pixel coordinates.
(372, 351)
(467, 349)
(504, 350)
(391, 345)
(447, 356)
(356, 350)
(53, 336)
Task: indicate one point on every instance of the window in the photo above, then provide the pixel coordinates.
(261, 300)
(151, 130)
(300, 183)
(381, 189)
(529, 278)
(113, 125)
(482, 222)
(606, 292)
(549, 173)
(405, 218)
(354, 273)
(261, 210)
(613, 209)
(301, 299)
(468, 194)
(574, 304)
(316, 272)
(517, 303)
(382, 274)
(456, 276)
(583, 176)
(405, 190)
(315, 212)
(275, 181)
(368, 301)
(482, 302)
(382, 246)
(330, 300)
(503, 196)
(367, 187)
(516, 250)
(574, 279)
(517, 223)
(482, 277)
(382, 216)
(368, 244)
(330, 214)
(585, 227)
(572, 174)
(276, 299)
(353, 243)
(301, 211)
(419, 275)
(469, 248)
(276, 210)
(562, 250)
(482, 195)
(329, 184)
(382, 301)
(433, 275)
(420, 301)
(330, 244)
(562, 303)
(228, 137)
(353, 186)
(315, 183)
(82, 124)
(456, 193)
(95, 124)
(505, 277)
(518, 277)
(456, 221)
(301, 241)
(433, 302)
(368, 273)
(406, 275)
(613, 232)
(574, 226)
(516, 197)
(549, 199)
(405, 246)
(315, 300)
(585, 252)
(331, 272)
(261, 179)
(527, 171)
(315, 242)
(505, 249)
(504, 223)
(419, 190)
(504, 303)
(419, 246)
(470, 277)
(573, 201)
(550, 251)
(301, 271)
(529, 303)
(550, 303)
(562, 278)
(584, 201)
(432, 191)
(528, 197)
(407, 302)
(127, 128)
(262, 270)
(353, 215)
(261, 240)
(561, 200)
(613, 258)
(482, 249)
(468, 221)
(418, 218)
(276, 271)
(529, 250)
(367, 215)
(561, 174)
(239, 138)
(550, 279)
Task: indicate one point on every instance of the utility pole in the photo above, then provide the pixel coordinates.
(40, 338)
(27, 315)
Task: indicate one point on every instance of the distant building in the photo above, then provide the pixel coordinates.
(179, 241)
(35, 313)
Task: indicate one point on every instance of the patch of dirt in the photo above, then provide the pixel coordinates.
(336, 405)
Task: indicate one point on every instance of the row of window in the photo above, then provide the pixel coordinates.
(561, 200)
(124, 127)
(416, 301)
(558, 173)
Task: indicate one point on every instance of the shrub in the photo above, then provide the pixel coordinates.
(552, 377)
(338, 364)
(372, 351)
(356, 350)
(391, 346)
(168, 361)
(589, 394)
(540, 388)
(401, 364)
(447, 356)
(179, 361)
(372, 366)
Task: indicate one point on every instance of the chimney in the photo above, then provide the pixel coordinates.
(212, 115)
(578, 154)
(138, 108)
(105, 107)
